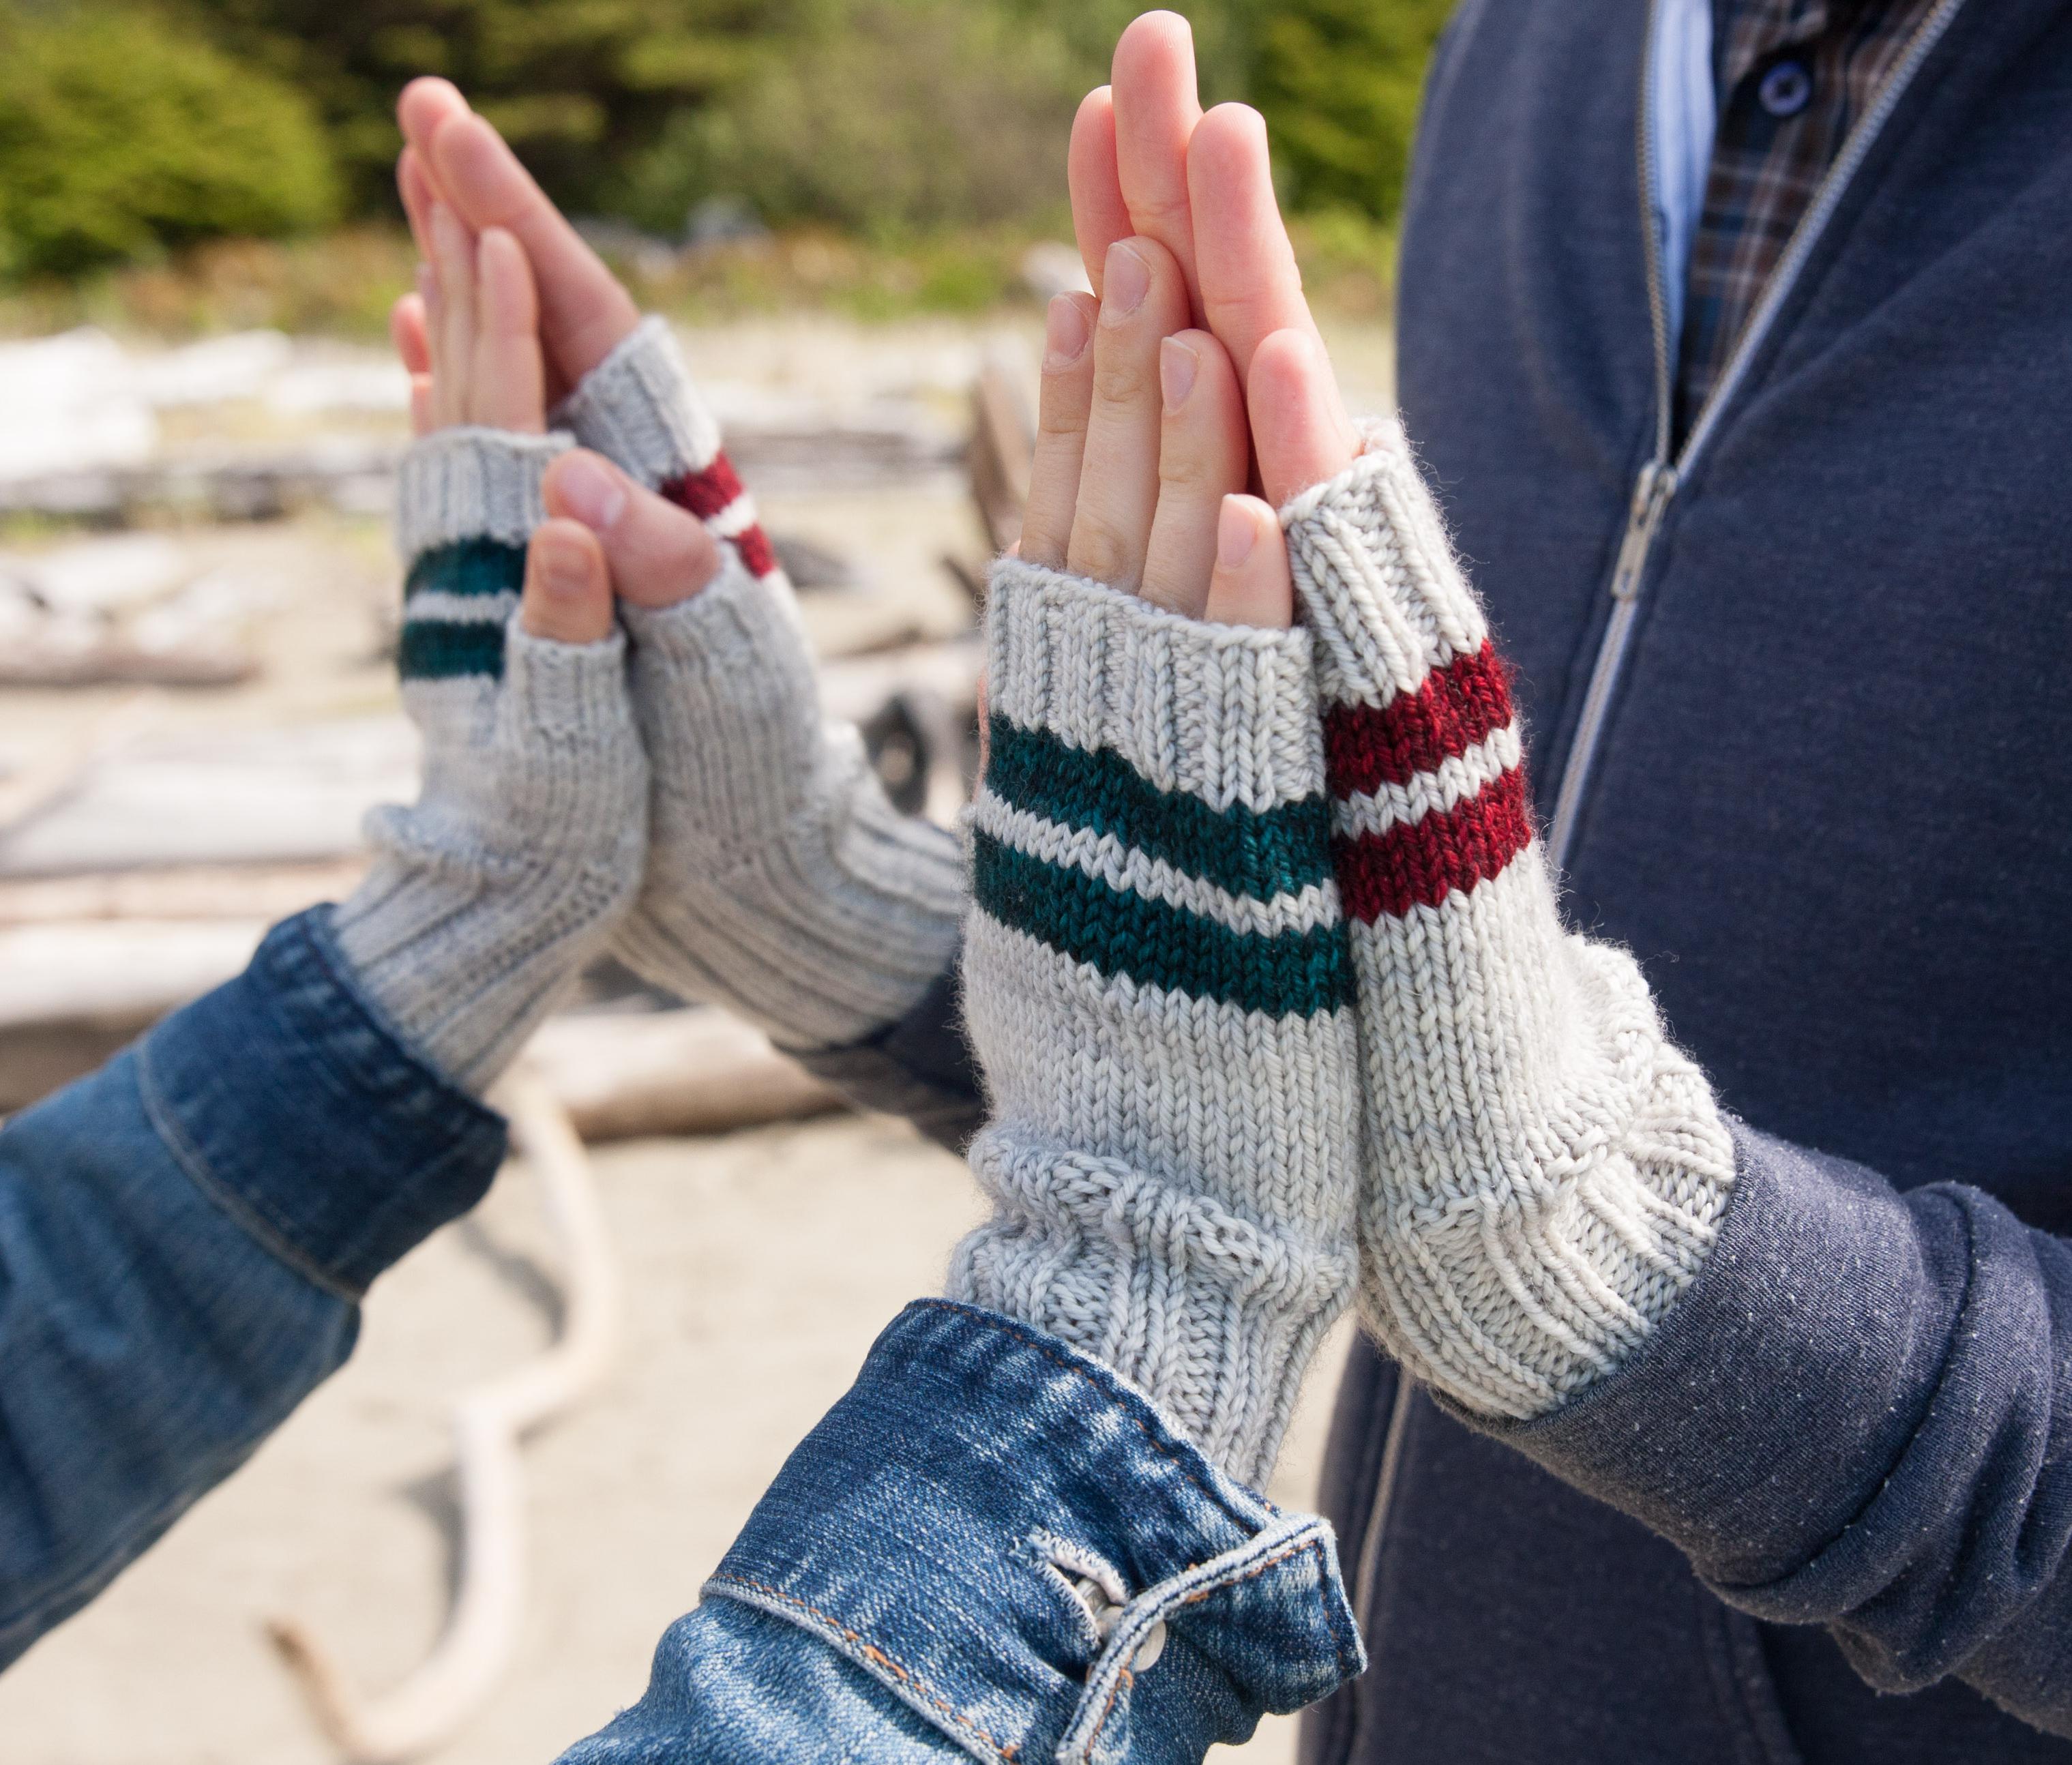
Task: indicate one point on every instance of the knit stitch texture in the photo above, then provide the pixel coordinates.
(525, 845)
(1156, 986)
(781, 883)
(1546, 1171)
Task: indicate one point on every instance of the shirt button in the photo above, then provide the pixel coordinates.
(1786, 89)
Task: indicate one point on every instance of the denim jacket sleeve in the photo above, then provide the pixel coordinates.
(992, 1549)
(184, 1237)
(1859, 1415)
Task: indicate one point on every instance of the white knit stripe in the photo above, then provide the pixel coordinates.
(435, 606)
(732, 521)
(1451, 782)
(1105, 858)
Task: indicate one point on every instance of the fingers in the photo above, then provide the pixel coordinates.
(1099, 216)
(1250, 287)
(568, 590)
(1061, 429)
(1156, 110)
(419, 190)
(583, 312)
(452, 310)
(506, 383)
(1300, 430)
(1204, 455)
(407, 331)
(1251, 584)
(1144, 301)
(658, 554)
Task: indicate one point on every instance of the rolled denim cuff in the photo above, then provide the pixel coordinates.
(290, 1100)
(1018, 1546)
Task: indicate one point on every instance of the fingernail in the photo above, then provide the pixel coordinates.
(428, 287)
(589, 490)
(1065, 334)
(1125, 280)
(1176, 364)
(1236, 533)
(563, 568)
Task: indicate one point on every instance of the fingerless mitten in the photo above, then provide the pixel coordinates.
(781, 883)
(526, 843)
(1546, 1171)
(1157, 987)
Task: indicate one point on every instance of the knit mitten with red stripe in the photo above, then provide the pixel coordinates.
(1545, 1171)
(780, 882)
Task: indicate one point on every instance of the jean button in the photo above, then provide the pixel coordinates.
(1786, 89)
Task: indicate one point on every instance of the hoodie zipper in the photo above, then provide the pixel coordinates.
(1659, 478)
(1652, 492)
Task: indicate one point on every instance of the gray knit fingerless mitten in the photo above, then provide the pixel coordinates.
(1155, 982)
(526, 844)
(781, 883)
(1547, 1172)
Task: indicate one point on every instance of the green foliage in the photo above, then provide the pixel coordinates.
(1339, 82)
(917, 115)
(131, 127)
(120, 136)
(582, 88)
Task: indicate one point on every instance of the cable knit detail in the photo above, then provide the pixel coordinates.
(1546, 1170)
(781, 883)
(1155, 982)
(526, 843)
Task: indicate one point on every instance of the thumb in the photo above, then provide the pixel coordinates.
(567, 595)
(659, 553)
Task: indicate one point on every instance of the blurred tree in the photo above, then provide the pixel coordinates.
(120, 138)
(580, 87)
(1339, 81)
(912, 115)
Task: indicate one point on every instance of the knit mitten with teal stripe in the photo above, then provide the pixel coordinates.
(1156, 983)
(525, 846)
(1548, 1171)
(781, 883)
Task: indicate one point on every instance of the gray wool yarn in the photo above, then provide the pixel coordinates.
(1547, 1171)
(780, 883)
(525, 845)
(1155, 982)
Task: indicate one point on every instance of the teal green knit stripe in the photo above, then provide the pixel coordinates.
(1122, 933)
(468, 566)
(1263, 854)
(439, 650)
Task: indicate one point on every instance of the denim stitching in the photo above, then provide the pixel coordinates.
(1126, 1678)
(876, 1654)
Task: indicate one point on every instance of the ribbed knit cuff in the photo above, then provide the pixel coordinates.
(639, 408)
(1156, 983)
(472, 484)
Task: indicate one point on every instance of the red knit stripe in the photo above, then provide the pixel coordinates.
(756, 551)
(1464, 702)
(709, 493)
(1419, 863)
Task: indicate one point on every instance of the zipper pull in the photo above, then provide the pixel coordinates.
(1651, 491)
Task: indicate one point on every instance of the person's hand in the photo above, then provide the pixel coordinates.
(1146, 161)
(1141, 458)
(454, 160)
